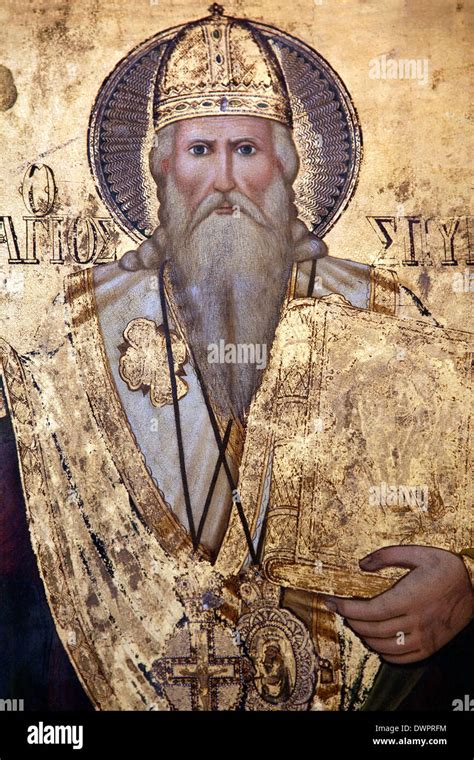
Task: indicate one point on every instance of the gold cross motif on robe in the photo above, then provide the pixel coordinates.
(203, 668)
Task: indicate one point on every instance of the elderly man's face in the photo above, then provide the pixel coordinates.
(223, 154)
(229, 270)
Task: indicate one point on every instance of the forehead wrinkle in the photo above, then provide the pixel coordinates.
(245, 138)
(199, 138)
(217, 125)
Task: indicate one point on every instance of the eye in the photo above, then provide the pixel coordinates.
(199, 150)
(246, 149)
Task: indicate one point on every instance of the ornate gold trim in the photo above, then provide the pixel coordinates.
(40, 510)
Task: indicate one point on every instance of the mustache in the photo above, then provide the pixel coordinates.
(240, 202)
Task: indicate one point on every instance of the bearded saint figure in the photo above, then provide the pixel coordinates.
(129, 438)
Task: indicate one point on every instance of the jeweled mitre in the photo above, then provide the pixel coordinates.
(219, 65)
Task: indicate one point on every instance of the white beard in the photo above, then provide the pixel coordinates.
(229, 275)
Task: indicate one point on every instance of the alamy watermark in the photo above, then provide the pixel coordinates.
(12, 705)
(42, 733)
(383, 495)
(465, 704)
(463, 283)
(237, 353)
(383, 67)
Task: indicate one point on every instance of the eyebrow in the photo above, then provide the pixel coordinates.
(209, 141)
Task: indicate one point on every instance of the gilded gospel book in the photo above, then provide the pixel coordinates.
(352, 405)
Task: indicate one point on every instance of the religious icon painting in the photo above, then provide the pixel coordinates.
(236, 352)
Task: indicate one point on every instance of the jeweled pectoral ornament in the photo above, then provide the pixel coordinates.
(265, 661)
(280, 647)
(202, 665)
(143, 364)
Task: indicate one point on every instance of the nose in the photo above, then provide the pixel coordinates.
(224, 180)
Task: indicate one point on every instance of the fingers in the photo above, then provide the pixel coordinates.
(394, 556)
(391, 647)
(385, 629)
(395, 602)
(383, 607)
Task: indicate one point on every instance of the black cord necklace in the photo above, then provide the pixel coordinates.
(221, 443)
